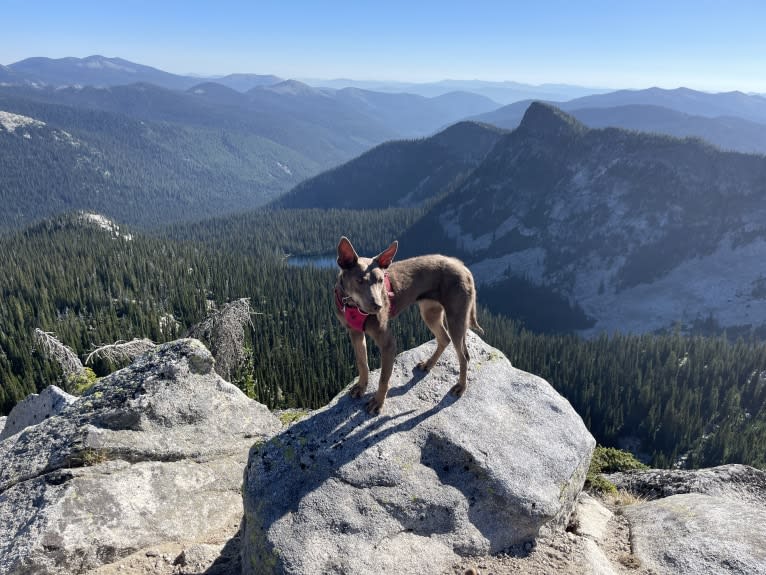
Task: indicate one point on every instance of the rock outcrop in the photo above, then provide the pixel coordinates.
(143, 474)
(150, 454)
(706, 521)
(34, 409)
(431, 479)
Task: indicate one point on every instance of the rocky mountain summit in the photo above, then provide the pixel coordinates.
(143, 474)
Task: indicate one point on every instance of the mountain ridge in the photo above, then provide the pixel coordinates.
(209, 146)
(600, 224)
(398, 173)
(649, 204)
(733, 121)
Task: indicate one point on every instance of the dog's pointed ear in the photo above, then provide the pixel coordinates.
(385, 257)
(347, 256)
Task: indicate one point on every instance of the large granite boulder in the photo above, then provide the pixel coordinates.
(701, 522)
(35, 408)
(431, 479)
(152, 453)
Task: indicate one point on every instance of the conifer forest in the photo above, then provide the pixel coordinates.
(677, 399)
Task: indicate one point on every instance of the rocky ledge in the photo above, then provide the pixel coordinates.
(151, 454)
(698, 522)
(143, 474)
(432, 479)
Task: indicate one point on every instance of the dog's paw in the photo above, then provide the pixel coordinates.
(375, 405)
(358, 390)
(423, 366)
(457, 390)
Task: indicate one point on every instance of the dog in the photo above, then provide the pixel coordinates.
(370, 292)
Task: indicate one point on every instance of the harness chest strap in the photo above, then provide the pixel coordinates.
(355, 317)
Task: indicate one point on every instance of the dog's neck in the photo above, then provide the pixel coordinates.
(353, 312)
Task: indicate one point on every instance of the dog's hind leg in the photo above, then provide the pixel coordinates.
(360, 353)
(432, 313)
(457, 331)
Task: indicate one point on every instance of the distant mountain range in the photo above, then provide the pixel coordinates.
(729, 120)
(591, 229)
(732, 121)
(148, 155)
(102, 71)
(502, 92)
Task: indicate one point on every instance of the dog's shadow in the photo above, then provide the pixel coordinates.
(305, 455)
(417, 375)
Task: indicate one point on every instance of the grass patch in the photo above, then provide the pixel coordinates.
(291, 415)
(82, 382)
(609, 460)
(89, 457)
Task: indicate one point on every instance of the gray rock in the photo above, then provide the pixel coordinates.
(738, 481)
(592, 517)
(2, 423)
(591, 520)
(431, 479)
(697, 534)
(151, 453)
(34, 409)
(706, 521)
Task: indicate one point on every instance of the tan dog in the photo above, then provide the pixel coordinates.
(371, 291)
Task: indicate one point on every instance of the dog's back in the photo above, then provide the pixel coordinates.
(444, 279)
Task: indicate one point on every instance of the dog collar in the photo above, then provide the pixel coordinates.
(355, 317)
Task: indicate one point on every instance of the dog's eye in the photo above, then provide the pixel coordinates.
(360, 281)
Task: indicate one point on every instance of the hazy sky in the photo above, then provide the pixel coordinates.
(711, 45)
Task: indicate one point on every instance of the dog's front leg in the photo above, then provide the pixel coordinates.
(360, 353)
(387, 344)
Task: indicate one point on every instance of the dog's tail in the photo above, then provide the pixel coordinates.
(474, 322)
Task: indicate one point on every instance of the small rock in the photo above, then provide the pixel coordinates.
(36, 408)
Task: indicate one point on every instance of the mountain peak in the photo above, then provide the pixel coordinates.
(547, 120)
(291, 87)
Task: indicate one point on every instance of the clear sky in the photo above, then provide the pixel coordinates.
(714, 45)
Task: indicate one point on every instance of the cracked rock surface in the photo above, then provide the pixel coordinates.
(698, 522)
(152, 453)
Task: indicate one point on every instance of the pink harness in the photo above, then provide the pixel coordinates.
(355, 317)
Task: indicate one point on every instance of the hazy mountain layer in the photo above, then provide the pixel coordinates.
(731, 121)
(399, 173)
(148, 155)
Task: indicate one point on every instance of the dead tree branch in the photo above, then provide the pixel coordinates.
(223, 331)
(120, 352)
(49, 344)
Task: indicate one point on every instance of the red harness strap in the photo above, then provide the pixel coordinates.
(355, 317)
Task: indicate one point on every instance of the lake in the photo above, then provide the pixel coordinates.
(325, 262)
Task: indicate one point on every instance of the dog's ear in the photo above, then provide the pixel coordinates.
(346, 254)
(385, 257)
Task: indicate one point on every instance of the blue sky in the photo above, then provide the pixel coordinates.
(714, 45)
